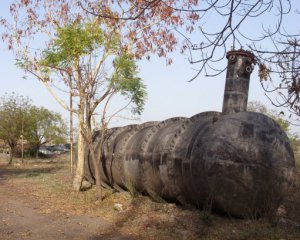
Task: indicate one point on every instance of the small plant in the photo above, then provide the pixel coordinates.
(205, 218)
(130, 187)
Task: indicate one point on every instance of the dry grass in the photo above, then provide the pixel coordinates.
(49, 182)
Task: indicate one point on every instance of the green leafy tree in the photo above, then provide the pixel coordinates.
(44, 126)
(13, 120)
(74, 51)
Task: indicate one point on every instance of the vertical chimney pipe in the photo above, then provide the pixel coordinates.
(239, 68)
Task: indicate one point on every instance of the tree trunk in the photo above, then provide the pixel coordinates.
(11, 155)
(71, 130)
(79, 174)
(37, 152)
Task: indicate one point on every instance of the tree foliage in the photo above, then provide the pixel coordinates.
(147, 26)
(44, 126)
(93, 84)
(72, 42)
(125, 80)
(13, 114)
(20, 119)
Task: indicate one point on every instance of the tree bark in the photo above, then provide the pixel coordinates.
(37, 152)
(71, 128)
(79, 174)
(11, 155)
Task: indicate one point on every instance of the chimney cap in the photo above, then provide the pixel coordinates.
(242, 52)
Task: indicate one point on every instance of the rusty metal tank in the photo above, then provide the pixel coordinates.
(235, 162)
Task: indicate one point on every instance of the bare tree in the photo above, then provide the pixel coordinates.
(218, 26)
(280, 74)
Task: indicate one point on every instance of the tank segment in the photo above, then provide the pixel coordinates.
(240, 164)
(239, 68)
(236, 162)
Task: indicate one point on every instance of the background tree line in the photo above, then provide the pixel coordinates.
(22, 121)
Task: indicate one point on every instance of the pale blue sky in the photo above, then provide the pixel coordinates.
(169, 92)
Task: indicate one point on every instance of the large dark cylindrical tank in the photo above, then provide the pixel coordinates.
(235, 162)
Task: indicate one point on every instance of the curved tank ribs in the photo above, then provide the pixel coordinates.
(236, 162)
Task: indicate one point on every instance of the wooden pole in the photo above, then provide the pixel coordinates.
(22, 140)
(22, 147)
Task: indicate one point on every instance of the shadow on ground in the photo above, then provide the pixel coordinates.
(110, 236)
(7, 172)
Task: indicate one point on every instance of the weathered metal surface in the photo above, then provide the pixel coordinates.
(235, 162)
(239, 68)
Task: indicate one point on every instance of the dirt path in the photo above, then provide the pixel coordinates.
(21, 217)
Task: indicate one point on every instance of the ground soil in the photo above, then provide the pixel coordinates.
(37, 202)
(23, 216)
